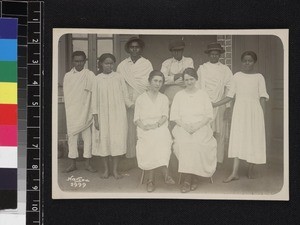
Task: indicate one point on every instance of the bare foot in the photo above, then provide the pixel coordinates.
(91, 169)
(104, 175)
(231, 178)
(251, 175)
(117, 175)
(71, 168)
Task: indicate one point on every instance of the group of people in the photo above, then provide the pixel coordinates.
(146, 114)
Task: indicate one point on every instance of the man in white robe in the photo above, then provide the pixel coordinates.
(135, 70)
(215, 79)
(77, 88)
(172, 68)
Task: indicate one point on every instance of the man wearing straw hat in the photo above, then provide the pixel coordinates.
(215, 79)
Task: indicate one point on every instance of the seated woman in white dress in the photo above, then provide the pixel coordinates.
(194, 144)
(154, 143)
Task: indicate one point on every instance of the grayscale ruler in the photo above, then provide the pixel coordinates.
(34, 104)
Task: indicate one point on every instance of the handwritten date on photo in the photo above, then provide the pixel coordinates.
(79, 182)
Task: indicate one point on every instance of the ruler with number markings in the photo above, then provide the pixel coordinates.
(30, 73)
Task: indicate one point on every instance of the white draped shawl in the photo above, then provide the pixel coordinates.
(214, 78)
(77, 88)
(136, 74)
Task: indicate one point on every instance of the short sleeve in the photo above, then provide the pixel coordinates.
(232, 88)
(137, 110)
(174, 115)
(262, 87)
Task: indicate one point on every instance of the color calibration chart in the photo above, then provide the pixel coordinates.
(8, 113)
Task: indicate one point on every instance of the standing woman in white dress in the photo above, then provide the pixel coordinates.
(247, 136)
(194, 144)
(154, 143)
(109, 101)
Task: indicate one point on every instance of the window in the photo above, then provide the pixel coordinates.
(93, 45)
(80, 43)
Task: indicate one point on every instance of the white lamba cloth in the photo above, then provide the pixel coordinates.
(77, 93)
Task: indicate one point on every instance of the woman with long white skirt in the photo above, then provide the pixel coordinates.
(194, 144)
(154, 143)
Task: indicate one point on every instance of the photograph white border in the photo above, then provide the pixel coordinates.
(57, 193)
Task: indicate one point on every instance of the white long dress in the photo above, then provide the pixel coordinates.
(247, 136)
(153, 147)
(197, 152)
(109, 98)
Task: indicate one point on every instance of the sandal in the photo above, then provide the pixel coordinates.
(186, 187)
(169, 180)
(150, 186)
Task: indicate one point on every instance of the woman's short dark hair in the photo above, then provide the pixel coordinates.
(156, 73)
(79, 53)
(251, 53)
(190, 71)
(102, 58)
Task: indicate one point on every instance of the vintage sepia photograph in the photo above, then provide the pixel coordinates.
(173, 114)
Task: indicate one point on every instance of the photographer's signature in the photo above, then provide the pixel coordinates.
(77, 181)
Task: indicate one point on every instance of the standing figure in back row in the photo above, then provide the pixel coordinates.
(173, 67)
(215, 79)
(135, 69)
(77, 88)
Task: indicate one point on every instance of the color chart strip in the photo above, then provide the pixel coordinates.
(8, 110)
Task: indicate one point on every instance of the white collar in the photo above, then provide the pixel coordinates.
(76, 71)
(175, 60)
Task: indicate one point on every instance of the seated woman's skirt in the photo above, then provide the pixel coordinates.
(197, 152)
(153, 147)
